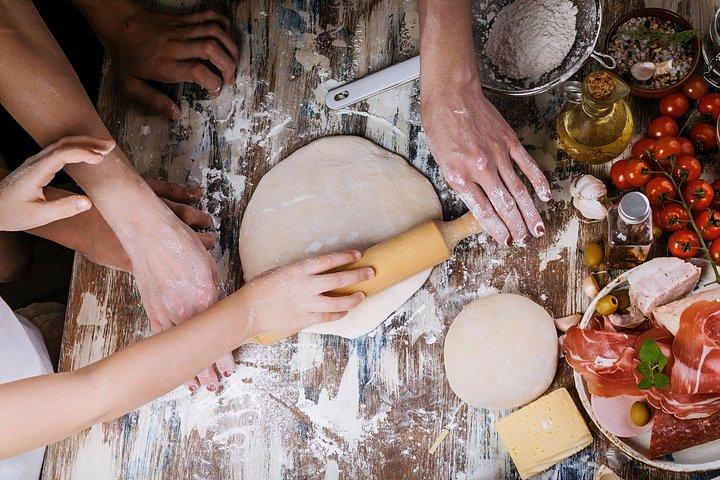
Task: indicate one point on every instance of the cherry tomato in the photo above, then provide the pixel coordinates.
(659, 189)
(673, 217)
(644, 149)
(709, 104)
(708, 222)
(617, 174)
(666, 147)
(716, 197)
(715, 251)
(687, 146)
(698, 194)
(637, 172)
(695, 86)
(686, 168)
(663, 126)
(684, 244)
(703, 136)
(674, 105)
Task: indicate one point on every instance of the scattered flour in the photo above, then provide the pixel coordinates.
(531, 37)
(565, 240)
(91, 311)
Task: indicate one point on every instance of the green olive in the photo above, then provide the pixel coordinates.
(623, 298)
(640, 413)
(593, 254)
(607, 305)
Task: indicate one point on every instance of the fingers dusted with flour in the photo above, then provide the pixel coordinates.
(472, 143)
(293, 297)
(23, 204)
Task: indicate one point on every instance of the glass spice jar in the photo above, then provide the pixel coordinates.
(630, 231)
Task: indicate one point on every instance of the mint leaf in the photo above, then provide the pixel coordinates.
(652, 363)
(662, 381)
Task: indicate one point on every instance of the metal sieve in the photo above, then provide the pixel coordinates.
(588, 24)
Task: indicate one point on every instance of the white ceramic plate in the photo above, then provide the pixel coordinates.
(696, 459)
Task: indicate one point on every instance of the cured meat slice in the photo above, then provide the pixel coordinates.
(681, 405)
(696, 350)
(633, 318)
(605, 360)
(661, 280)
(670, 434)
(668, 316)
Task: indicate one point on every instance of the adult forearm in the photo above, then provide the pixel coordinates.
(119, 383)
(42, 92)
(447, 51)
(107, 15)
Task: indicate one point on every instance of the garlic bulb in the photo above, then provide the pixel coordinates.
(590, 286)
(643, 70)
(564, 323)
(586, 192)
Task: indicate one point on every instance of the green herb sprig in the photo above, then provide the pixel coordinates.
(662, 38)
(651, 366)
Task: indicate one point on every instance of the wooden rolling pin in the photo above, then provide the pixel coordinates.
(401, 257)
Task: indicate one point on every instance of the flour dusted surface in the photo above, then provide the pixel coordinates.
(529, 38)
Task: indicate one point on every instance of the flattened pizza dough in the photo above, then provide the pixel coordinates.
(337, 193)
(501, 352)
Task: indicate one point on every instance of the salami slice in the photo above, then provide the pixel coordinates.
(670, 434)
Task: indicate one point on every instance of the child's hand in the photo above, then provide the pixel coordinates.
(291, 298)
(22, 202)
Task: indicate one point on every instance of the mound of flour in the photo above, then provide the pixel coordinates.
(529, 38)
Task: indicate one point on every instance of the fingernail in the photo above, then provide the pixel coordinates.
(360, 294)
(83, 204)
(509, 241)
(211, 388)
(227, 373)
(370, 273)
(357, 255)
(539, 229)
(545, 195)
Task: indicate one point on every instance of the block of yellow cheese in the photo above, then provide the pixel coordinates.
(543, 433)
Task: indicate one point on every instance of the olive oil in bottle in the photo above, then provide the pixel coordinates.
(630, 231)
(596, 123)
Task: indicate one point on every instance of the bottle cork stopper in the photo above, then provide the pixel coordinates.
(600, 85)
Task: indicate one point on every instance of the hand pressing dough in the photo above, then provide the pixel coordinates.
(337, 193)
(501, 352)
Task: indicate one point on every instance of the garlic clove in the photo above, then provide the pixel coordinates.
(643, 70)
(590, 286)
(564, 323)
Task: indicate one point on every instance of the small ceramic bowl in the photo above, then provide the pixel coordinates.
(665, 15)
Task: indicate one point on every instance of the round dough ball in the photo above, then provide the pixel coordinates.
(334, 194)
(501, 352)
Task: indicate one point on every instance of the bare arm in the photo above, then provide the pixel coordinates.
(174, 273)
(289, 298)
(474, 146)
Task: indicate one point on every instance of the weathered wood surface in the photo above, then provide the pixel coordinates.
(319, 406)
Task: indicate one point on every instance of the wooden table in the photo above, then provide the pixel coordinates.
(318, 406)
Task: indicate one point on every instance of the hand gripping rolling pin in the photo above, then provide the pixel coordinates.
(401, 257)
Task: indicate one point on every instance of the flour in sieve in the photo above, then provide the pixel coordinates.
(531, 37)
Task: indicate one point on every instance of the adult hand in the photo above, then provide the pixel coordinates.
(145, 46)
(477, 151)
(291, 298)
(22, 202)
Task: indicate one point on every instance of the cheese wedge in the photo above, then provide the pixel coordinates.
(543, 433)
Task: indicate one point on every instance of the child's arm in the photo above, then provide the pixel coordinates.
(289, 298)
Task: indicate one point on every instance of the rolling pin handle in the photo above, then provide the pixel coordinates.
(460, 228)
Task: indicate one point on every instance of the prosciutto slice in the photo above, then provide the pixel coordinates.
(604, 358)
(696, 350)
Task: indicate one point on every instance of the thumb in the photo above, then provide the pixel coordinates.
(65, 207)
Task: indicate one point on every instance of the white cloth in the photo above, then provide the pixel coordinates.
(22, 355)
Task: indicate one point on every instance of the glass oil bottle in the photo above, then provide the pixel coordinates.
(596, 123)
(630, 231)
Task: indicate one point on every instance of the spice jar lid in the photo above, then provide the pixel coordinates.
(634, 208)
